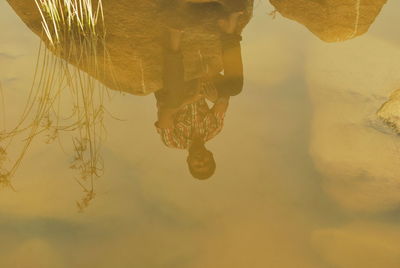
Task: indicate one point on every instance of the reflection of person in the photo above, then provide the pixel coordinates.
(185, 121)
(189, 128)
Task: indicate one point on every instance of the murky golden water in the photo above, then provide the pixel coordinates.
(307, 169)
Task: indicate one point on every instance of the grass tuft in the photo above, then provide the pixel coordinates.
(63, 18)
(64, 100)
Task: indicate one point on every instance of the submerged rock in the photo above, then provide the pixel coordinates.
(331, 20)
(358, 158)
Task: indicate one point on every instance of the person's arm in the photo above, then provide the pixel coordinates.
(218, 112)
(231, 82)
(165, 126)
(166, 117)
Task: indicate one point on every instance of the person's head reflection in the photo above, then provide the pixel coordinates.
(185, 120)
(200, 161)
(189, 127)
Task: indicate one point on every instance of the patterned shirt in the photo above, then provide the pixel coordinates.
(193, 120)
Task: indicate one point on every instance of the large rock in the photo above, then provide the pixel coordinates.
(356, 153)
(134, 44)
(332, 20)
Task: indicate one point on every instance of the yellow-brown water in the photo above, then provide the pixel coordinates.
(307, 173)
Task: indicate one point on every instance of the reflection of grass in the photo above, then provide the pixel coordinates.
(64, 99)
(61, 18)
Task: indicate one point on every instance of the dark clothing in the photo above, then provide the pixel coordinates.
(228, 84)
(231, 82)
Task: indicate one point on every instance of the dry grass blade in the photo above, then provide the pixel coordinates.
(75, 31)
(60, 18)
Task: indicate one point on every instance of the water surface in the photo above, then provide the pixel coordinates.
(307, 174)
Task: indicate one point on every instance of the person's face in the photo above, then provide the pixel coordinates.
(200, 160)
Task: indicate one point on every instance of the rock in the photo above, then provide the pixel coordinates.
(358, 158)
(389, 113)
(331, 20)
(133, 61)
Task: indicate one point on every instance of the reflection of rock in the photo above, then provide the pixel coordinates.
(390, 111)
(358, 158)
(134, 29)
(332, 20)
(359, 245)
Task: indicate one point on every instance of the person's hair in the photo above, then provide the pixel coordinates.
(204, 175)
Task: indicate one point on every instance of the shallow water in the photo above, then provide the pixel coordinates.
(307, 173)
